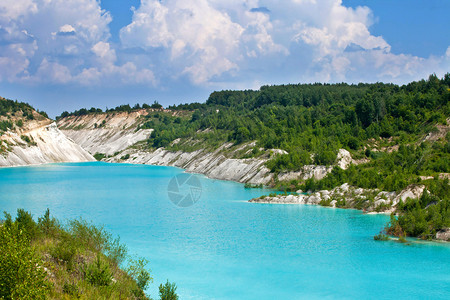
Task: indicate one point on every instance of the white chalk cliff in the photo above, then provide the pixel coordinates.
(116, 134)
(105, 133)
(39, 145)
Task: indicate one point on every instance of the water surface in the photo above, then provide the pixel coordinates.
(225, 248)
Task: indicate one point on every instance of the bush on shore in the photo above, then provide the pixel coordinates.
(46, 260)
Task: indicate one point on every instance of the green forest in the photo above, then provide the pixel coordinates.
(312, 121)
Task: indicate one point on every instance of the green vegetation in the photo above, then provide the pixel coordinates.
(12, 107)
(391, 171)
(45, 260)
(99, 156)
(312, 121)
(381, 237)
(6, 125)
(29, 140)
(168, 291)
(14, 114)
(425, 216)
(125, 157)
(120, 108)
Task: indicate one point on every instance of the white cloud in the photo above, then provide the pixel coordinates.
(66, 39)
(104, 51)
(200, 39)
(53, 72)
(13, 9)
(200, 36)
(211, 42)
(66, 29)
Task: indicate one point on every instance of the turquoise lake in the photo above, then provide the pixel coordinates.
(223, 247)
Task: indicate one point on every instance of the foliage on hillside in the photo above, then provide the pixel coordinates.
(425, 216)
(390, 171)
(312, 121)
(47, 260)
(11, 107)
(13, 114)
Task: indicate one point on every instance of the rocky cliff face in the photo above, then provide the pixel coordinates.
(105, 133)
(28, 138)
(116, 134)
(212, 164)
(39, 142)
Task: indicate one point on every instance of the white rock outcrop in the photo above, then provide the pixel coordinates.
(344, 159)
(306, 172)
(212, 164)
(107, 140)
(47, 145)
(350, 197)
(444, 234)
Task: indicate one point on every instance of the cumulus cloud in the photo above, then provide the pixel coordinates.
(201, 38)
(56, 41)
(313, 40)
(66, 29)
(206, 42)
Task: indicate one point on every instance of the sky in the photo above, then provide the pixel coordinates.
(66, 54)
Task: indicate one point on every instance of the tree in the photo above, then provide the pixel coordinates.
(156, 105)
(242, 134)
(168, 291)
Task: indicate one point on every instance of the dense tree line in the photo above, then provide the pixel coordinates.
(8, 106)
(315, 119)
(20, 110)
(120, 108)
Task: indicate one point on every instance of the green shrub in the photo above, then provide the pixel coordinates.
(26, 138)
(22, 275)
(71, 289)
(6, 125)
(127, 156)
(99, 156)
(26, 223)
(47, 225)
(168, 291)
(98, 273)
(402, 239)
(88, 235)
(137, 269)
(116, 251)
(65, 250)
(381, 237)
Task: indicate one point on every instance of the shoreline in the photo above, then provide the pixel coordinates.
(258, 200)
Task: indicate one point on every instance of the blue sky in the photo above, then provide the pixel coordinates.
(63, 55)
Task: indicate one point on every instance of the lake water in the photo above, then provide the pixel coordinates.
(223, 247)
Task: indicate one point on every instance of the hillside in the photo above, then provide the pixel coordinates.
(285, 135)
(28, 137)
(365, 146)
(77, 260)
